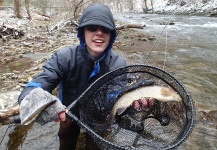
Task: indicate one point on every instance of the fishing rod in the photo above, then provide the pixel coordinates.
(157, 40)
(16, 119)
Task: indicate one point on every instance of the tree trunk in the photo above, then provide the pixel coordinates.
(17, 8)
(152, 6)
(77, 8)
(139, 26)
(1, 4)
(27, 9)
(145, 8)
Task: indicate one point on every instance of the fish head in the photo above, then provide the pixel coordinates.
(175, 95)
(170, 92)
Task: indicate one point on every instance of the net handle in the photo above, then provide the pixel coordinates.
(88, 129)
(91, 132)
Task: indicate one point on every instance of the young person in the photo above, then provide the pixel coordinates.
(74, 68)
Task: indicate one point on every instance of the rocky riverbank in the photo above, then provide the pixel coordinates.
(185, 7)
(21, 58)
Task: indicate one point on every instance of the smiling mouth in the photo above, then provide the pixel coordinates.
(98, 41)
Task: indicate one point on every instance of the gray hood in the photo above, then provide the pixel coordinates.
(101, 15)
(97, 14)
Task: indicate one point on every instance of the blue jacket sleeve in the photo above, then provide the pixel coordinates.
(49, 78)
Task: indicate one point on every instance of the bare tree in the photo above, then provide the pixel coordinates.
(27, 9)
(1, 3)
(152, 8)
(145, 8)
(77, 8)
(131, 6)
(118, 6)
(17, 8)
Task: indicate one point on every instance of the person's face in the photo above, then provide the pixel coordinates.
(97, 39)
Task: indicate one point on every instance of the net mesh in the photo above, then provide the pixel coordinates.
(165, 126)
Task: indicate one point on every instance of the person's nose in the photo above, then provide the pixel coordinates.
(99, 30)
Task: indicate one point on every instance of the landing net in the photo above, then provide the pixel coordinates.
(164, 126)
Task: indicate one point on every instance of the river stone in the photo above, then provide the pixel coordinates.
(8, 99)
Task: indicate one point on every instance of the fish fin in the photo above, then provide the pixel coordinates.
(121, 110)
(165, 91)
(110, 118)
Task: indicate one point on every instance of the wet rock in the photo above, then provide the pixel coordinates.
(206, 113)
(213, 115)
(9, 32)
(151, 38)
(8, 99)
(144, 39)
(8, 106)
(167, 23)
(6, 116)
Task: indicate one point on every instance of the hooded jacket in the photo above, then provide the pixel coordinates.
(72, 68)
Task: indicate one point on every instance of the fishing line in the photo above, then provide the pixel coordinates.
(165, 53)
(149, 53)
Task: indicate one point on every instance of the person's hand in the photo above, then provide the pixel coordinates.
(52, 113)
(143, 103)
(40, 106)
(62, 116)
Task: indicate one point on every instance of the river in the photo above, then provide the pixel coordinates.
(188, 48)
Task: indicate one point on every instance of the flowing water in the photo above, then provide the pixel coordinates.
(189, 50)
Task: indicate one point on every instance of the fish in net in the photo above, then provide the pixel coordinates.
(164, 125)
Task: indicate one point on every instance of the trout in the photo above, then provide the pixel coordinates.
(160, 93)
